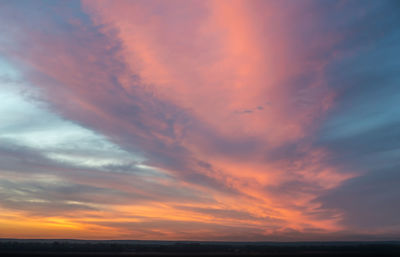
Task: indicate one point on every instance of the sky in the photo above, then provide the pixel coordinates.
(200, 120)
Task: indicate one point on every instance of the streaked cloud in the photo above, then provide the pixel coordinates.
(251, 120)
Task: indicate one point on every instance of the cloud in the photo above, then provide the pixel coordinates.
(361, 196)
(138, 114)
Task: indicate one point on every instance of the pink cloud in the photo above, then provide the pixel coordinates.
(207, 92)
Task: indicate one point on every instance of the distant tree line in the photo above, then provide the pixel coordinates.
(202, 248)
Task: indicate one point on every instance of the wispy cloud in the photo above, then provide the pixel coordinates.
(197, 119)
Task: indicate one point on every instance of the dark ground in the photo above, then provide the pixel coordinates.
(69, 248)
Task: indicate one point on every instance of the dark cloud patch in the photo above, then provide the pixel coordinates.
(361, 128)
(375, 147)
(369, 201)
(21, 159)
(43, 199)
(250, 110)
(294, 187)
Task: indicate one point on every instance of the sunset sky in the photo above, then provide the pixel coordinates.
(200, 120)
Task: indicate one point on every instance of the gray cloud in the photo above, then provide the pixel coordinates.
(369, 201)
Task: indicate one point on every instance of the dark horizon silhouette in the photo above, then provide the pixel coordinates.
(71, 247)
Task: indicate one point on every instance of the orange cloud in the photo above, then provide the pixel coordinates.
(208, 92)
